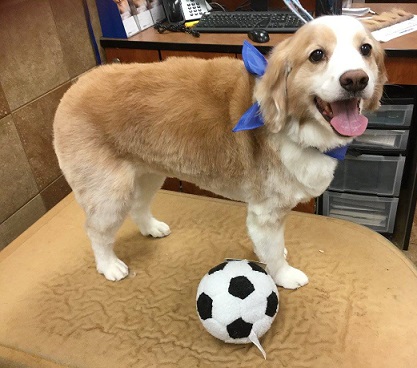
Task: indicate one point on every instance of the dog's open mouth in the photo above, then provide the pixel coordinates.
(344, 116)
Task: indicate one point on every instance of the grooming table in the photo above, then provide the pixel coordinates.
(359, 309)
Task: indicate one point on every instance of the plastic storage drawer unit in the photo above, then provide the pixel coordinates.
(377, 213)
(390, 116)
(369, 174)
(382, 140)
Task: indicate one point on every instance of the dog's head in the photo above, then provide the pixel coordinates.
(317, 82)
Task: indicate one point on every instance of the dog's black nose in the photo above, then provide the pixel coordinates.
(354, 80)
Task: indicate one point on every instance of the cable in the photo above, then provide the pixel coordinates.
(218, 5)
(244, 5)
(176, 27)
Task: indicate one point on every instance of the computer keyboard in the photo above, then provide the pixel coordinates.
(244, 21)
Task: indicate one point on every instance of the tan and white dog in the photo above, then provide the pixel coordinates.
(121, 129)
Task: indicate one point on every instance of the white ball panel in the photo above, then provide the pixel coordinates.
(215, 328)
(261, 326)
(244, 340)
(214, 284)
(253, 307)
(226, 308)
(237, 268)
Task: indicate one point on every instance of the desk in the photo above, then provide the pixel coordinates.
(401, 63)
(359, 309)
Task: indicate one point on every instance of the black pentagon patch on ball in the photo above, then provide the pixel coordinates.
(272, 304)
(218, 268)
(204, 306)
(256, 267)
(240, 287)
(239, 329)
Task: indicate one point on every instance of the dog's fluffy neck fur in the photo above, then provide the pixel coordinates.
(306, 169)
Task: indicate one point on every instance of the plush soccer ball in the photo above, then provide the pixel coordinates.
(237, 301)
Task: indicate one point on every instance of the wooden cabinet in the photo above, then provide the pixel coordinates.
(203, 55)
(121, 55)
(172, 184)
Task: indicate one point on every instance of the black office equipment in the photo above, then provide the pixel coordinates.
(258, 35)
(245, 21)
(184, 10)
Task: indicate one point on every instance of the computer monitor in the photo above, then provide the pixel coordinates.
(263, 5)
(259, 5)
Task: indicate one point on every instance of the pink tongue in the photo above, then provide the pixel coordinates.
(346, 118)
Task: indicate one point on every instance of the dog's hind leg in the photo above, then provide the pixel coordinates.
(146, 185)
(107, 200)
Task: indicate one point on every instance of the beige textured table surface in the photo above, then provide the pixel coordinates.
(359, 310)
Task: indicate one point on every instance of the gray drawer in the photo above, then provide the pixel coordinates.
(369, 174)
(394, 116)
(377, 213)
(389, 140)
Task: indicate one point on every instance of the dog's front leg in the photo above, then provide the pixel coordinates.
(266, 229)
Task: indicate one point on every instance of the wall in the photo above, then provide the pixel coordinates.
(44, 46)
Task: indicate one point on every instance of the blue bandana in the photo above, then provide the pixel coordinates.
(338, 153)
(255, 63)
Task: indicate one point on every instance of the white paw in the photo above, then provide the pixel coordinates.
(290, 278)
(113, 270)
(155, 228)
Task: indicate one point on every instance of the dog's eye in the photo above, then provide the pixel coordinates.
(366, 49)
(316, 56)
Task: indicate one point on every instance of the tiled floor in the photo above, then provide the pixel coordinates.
(411, 253)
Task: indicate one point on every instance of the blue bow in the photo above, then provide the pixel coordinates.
(338, 153)
(255, 63)
(251, 119)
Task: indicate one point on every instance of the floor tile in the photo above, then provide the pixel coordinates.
(32, 61)
(21, 220)
(34, 124)
(17, 183)
(4, 106)
(73, 34)
(55, 192)
(95, 22)
(411, 253)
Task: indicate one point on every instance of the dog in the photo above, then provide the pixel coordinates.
(121, 129)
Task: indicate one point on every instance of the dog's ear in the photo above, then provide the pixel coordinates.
(374, 102)
(271, 90)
